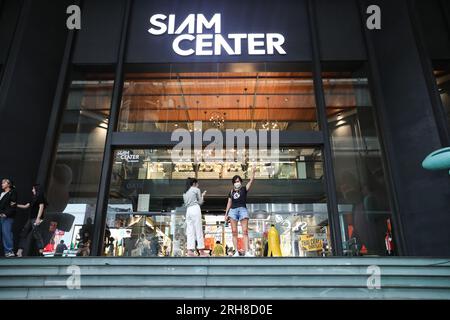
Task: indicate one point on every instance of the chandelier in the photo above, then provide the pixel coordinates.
(269, 125)
(217, 119)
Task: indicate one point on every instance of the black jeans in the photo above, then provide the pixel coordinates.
(29, 233)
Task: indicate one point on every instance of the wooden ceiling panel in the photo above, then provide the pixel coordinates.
(234, 97)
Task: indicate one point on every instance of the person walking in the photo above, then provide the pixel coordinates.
(31, 236)
(8, 205)
(193, 199)
(236, 211)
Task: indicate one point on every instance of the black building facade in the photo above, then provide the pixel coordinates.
(91, 114)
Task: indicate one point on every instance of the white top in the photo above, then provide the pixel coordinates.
(192, 197)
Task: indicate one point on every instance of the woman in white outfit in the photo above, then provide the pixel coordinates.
(193, 199)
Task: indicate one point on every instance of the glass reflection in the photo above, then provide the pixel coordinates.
(364, 209)
(443, 84)
(222, 100)
(75, 175)
(146, 218)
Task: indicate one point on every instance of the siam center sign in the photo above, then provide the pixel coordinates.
(200, 35)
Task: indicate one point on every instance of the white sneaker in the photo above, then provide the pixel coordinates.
(9, 255)
(249, 254)
(236, 254)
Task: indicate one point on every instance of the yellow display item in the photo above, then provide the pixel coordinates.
(309, 243)
(274, 243)
(218, 251)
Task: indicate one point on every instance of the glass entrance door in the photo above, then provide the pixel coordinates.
(287, 204)
(289, 211)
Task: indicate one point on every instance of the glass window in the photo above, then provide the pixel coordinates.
(443, 82)
(75, 175)
(364, 210)
(222, 100)
(146, 218)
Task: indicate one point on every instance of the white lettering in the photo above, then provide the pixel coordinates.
(214, 22)
(253, 43)
(237, 41)
(192, 27)
(237, 142)
(275, 41)
(155, 20)
(374, 20)
(219, 43)
(73, 22)
(176, 45)
(374, 280)
(202, 43)
(188, 22)
(171, 26)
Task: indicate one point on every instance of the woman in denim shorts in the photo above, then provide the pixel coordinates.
(237, 211)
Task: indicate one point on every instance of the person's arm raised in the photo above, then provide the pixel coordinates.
(249, 184)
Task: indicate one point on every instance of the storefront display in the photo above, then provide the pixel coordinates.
(147, 183)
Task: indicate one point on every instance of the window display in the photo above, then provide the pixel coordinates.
(146, 216)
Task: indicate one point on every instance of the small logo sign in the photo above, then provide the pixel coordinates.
(127, 156)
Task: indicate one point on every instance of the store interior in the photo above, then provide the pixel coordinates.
(146, 183)
(146, 200)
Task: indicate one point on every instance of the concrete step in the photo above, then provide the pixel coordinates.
(227, 281)
(221, 270)
(224, 293)
(241, 261)
(224, 278)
